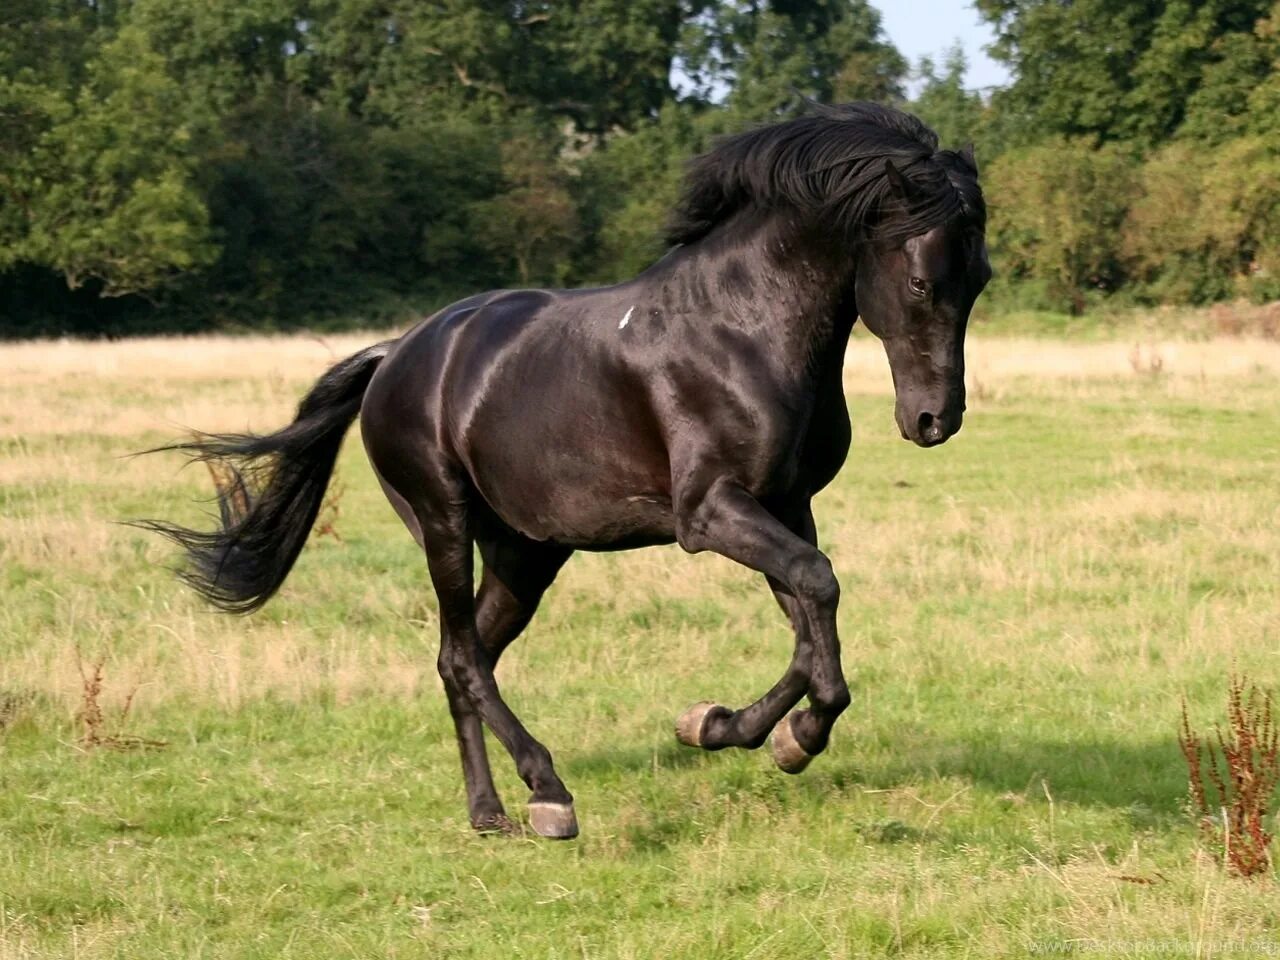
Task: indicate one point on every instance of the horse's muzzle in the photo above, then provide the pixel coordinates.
(929, 429)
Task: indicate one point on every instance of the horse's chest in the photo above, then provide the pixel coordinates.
(793, 448)
(825, 444)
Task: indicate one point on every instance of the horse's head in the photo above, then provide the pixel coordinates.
(915, 294)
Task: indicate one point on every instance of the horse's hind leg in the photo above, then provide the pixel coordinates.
(517, 571)
(484, 807)
(469, 672)
(516, 574)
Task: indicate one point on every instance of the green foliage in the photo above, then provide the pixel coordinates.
(297, 192)
(106, 192)
(1188, 93)
(533, 218)
(1056, 215)
(597, 63)
(224, 53)
(1263, 102)
(1115, 69)
(626, 188)
(43, 51)
(772, 56)
(28, 109)
(280, 162)
(1207, 225)
(954, 111)
(275, 163)
(1219, 109)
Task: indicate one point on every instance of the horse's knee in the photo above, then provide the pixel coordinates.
(444, 666)
(813, 579)
(455, 669)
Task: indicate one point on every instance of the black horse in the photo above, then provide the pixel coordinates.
(699, 403)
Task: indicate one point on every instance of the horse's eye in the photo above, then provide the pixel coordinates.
(918, 286)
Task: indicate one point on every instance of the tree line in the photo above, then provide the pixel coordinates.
(184, 165)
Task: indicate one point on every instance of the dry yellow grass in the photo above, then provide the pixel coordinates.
(163, 385)
(142, 360)
(60, 395)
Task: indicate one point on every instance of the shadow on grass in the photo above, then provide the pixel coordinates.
(631, 760)
(1110, 773)
(1148, 776)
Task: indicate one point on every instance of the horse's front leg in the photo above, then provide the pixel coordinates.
(713, 727)
(750, 726)
(732, 523)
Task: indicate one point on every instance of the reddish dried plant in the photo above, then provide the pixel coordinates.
(327, 518)
(235, 500)
(1240, 766)
(90, 709)
(93, 718)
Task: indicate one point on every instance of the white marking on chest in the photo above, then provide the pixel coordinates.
(626, 317)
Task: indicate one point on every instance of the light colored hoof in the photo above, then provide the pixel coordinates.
(689, 726)
(787, 752)
(554, 820)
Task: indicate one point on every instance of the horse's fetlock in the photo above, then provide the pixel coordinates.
(838, 701)
(536, 769)
(752, 743)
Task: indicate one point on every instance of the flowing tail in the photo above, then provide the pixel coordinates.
(270, 489)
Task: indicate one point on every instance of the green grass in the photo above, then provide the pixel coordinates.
(1023, 610)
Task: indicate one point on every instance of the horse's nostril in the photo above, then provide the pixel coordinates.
(928, 428)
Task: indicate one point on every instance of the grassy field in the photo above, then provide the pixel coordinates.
(1023, 610)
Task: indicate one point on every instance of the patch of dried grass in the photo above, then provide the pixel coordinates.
(57, 540)
(226, 383)
(993, 362)
(159, 359)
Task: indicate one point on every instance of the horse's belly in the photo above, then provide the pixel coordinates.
(639, 522)
(578, 516)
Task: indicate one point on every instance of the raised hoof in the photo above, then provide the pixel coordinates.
(689, 726)
(496, 825)
(554, 820)
(787, 752)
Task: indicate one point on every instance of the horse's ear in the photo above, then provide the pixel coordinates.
(901, 186)
(966, 154)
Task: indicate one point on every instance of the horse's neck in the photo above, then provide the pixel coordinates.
(796, 295)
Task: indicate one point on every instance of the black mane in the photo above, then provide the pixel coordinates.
(830, 165)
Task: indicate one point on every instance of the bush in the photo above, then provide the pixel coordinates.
(1206, 223)
(1056, 216)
